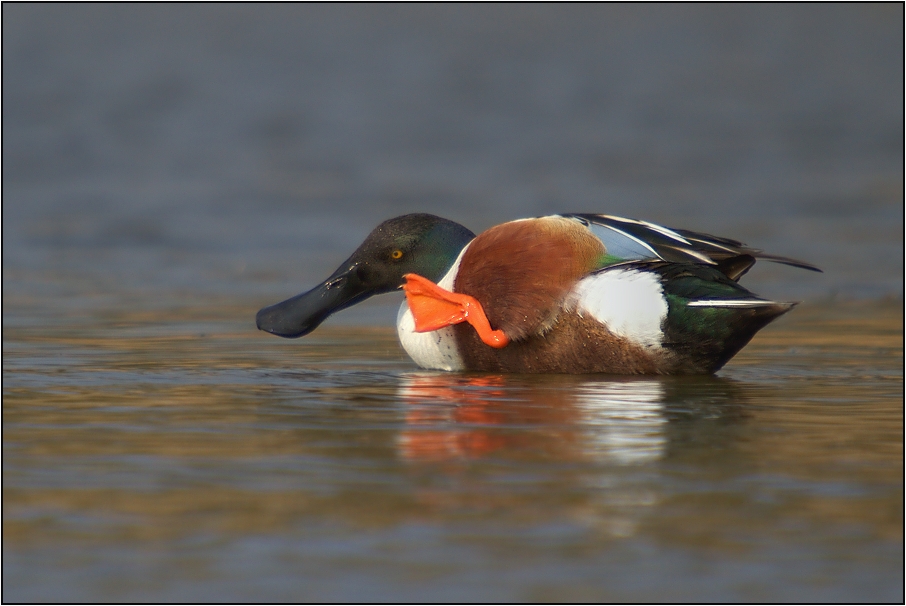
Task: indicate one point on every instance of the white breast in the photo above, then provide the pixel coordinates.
(436, 349)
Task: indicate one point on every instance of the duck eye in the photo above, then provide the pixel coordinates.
(396, 255)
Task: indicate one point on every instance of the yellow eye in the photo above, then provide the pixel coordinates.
(397, 254)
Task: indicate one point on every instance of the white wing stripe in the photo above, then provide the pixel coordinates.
(731, 303)
(633, 238)
(653, 227)
(717, 245)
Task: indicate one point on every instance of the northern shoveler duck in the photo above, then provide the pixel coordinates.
(571, 293)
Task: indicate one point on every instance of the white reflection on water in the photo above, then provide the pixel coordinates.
(461, 416)
(626, 421)
(623, 424)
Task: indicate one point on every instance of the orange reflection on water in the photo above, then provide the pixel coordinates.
(464, 404)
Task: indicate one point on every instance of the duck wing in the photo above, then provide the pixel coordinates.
(632, 239)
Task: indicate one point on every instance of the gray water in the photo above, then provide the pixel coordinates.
(167, 170)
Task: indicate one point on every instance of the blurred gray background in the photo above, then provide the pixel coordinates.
(193, 154)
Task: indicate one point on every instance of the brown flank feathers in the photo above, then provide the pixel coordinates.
(521, 271)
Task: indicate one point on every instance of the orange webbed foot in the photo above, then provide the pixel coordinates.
(434, 307)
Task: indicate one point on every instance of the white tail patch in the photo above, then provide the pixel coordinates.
(629, 302)
(741, 303)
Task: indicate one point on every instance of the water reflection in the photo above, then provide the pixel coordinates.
(626, 419)
(617, 420)
(594, 444)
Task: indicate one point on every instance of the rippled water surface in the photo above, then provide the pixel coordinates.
(176, 455)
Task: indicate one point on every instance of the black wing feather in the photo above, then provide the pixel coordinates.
(685, 246)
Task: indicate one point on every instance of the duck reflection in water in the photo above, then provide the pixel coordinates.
(617, 420)
(599, 443)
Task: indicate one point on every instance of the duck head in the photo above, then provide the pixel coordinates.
(418, 243)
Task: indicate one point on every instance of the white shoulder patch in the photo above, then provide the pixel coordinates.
(437, 349)
(629, 302)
